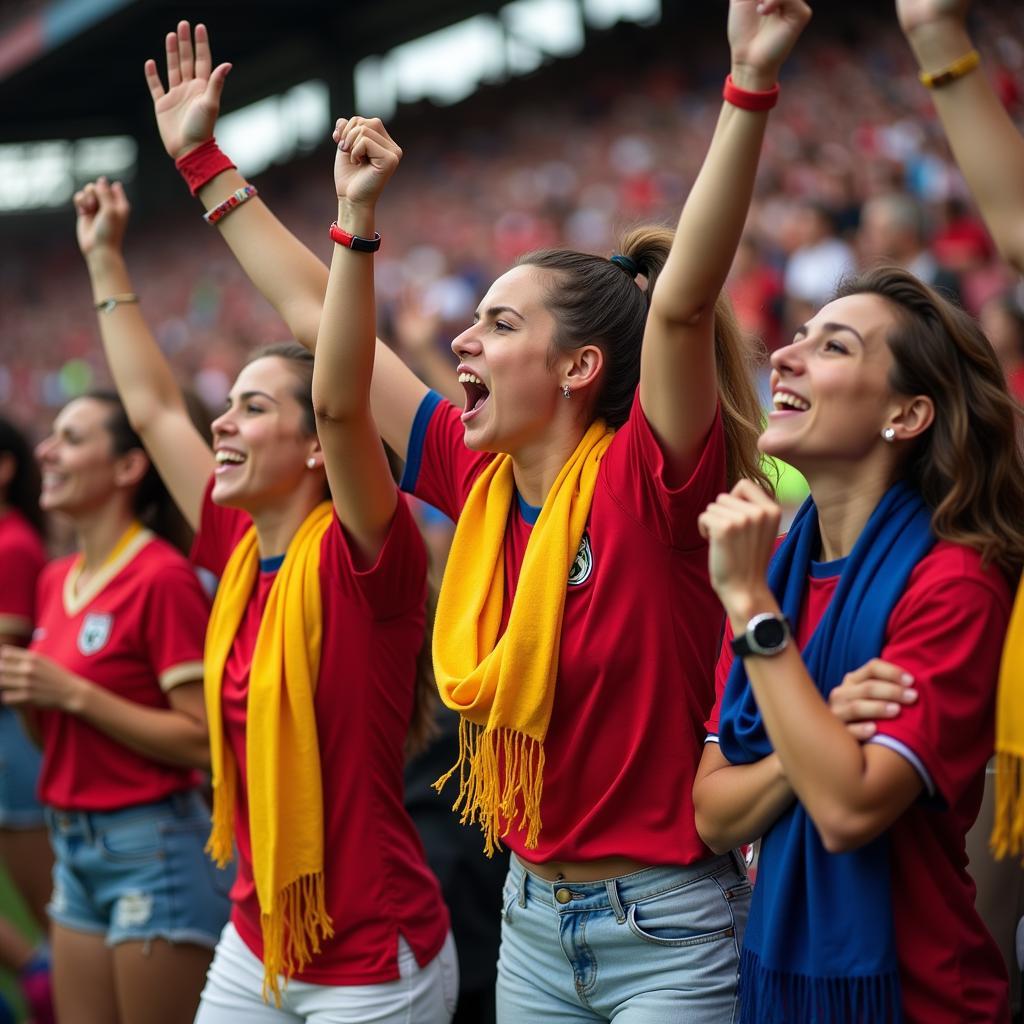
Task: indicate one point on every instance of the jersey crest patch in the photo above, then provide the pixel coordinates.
(95, 632)
(583, 564)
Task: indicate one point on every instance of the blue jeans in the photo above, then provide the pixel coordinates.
(19, 772)
(651, 947)
(138, 873)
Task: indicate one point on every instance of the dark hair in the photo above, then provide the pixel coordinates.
(596, 301)
(152, 505)
(23, 490)
(968, 464)
(421, 726)
(302, 365)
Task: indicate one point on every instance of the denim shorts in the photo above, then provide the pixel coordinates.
(138, 873)
(19, 772)
(657, 945)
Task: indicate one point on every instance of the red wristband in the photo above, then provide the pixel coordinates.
(747, 99)
(355, 242)
(203, 164)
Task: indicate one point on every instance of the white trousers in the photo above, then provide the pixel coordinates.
(422, 995)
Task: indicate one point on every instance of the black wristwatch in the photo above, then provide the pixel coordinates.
(766, 634)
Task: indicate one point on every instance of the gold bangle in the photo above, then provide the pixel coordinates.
(106, 305)
(960, 67)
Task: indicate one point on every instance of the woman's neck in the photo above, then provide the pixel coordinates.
(98, 535)
(845, 502)
(536, 467)
(275, 526)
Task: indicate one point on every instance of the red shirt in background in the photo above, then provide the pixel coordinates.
(22, 556)
(136, 629)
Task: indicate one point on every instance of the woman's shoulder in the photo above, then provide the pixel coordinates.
(954, 566)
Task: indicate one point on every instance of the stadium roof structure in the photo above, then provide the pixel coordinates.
(74, 67)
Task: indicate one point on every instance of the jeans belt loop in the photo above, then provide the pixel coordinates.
(612, 887)
(523, 878)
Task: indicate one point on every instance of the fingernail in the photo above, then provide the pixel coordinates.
(344, 145)
(906, 678)
(870, 728)
(892, 709)
(910, 696)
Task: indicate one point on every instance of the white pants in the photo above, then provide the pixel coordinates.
(421, 995)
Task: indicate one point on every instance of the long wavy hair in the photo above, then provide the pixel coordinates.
(23, 491)
(421, 724)
(594, 301)
(968, 465)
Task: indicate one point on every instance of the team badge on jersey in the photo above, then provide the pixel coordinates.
(583, 564)
(95, 632)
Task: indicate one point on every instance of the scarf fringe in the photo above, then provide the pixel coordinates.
(220, 844)
(779, 997)
(293, 930)
(1008, 829)
(500, 771)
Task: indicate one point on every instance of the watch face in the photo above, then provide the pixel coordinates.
(769, 633)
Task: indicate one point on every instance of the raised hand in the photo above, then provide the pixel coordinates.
(915, 14)
(761, 34)
(186, 111)
(367, 157)
(102, 210)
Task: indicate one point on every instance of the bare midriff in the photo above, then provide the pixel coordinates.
(583, 871)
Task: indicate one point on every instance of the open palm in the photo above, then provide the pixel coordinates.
(186, 111)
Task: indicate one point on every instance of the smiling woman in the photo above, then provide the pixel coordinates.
(111, 684)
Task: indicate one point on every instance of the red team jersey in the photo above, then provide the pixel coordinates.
(22, 556)
(946, 630)
(135, 629)
(639, 640)
(378, 882)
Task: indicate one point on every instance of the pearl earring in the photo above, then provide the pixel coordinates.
(566, 392)
(889, 434)
(311, 462)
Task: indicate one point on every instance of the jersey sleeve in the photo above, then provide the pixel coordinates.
(220, 529)
(722, 670)
(22, 564)
(439, 468)
(396, 583)
(174, 625)
(634, 471)
(944, 632)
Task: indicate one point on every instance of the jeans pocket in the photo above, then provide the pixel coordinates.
(132, 842)
(688, 915)
(509, 896)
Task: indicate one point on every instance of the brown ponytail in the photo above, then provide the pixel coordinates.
(597, 300)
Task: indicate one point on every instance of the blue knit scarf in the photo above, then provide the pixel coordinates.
(819, 945)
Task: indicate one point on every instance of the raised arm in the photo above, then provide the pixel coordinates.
(144, 380)
(284, 270)
(362, 489)
(985, 142)
(678, 381)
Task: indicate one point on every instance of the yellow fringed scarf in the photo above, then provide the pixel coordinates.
(504, 688)
(284, 790)
(1008, 828)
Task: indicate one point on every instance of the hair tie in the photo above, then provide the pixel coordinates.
(628, 264)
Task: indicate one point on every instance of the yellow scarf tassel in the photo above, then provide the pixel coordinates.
(284, 783)
(504, 686)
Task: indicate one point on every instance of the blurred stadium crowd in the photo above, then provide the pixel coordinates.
(855, 172)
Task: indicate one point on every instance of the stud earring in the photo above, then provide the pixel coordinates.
(889, 434)
(311, 462)
(566, 392)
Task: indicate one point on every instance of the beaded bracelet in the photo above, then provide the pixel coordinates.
(233, 201)
(961, 66)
